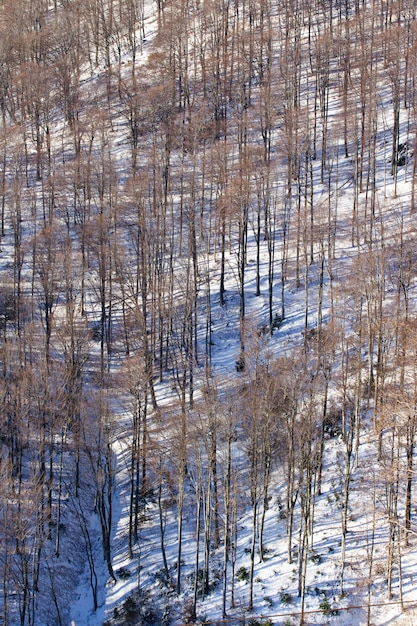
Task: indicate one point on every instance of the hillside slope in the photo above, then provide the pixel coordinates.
(207, 306)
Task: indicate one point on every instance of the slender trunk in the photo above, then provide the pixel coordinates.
(181, 485)
(162, 530)
(252, 554)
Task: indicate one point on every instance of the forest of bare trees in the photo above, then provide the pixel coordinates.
(164, 165)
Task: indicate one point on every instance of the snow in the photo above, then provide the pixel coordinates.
(275, 579)
(275, 589)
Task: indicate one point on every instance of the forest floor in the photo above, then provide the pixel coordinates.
(364, 597)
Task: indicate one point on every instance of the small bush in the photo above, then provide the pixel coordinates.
(161, 578)
(282, 513)
(123, 573)
(130, 607)
(242, 574)
(203, 587)
(277, 321)
(326, 608)
(379, 569)
(286, 598)
(315, 558)
(188, 612)
(265, 552)
(136, 610)
(332, 423)
(240, 365)
(7, 306)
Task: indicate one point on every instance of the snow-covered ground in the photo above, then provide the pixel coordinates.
(364, 599)
(141, 594)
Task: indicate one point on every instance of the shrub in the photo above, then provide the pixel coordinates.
(242, 574)
(286, 598)
(326, 608)
(135, 610)
(161, 578)
(203, 587)
(277, 321)
(188, 612)
(315, 558)
(265, 552)
(123, 573)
